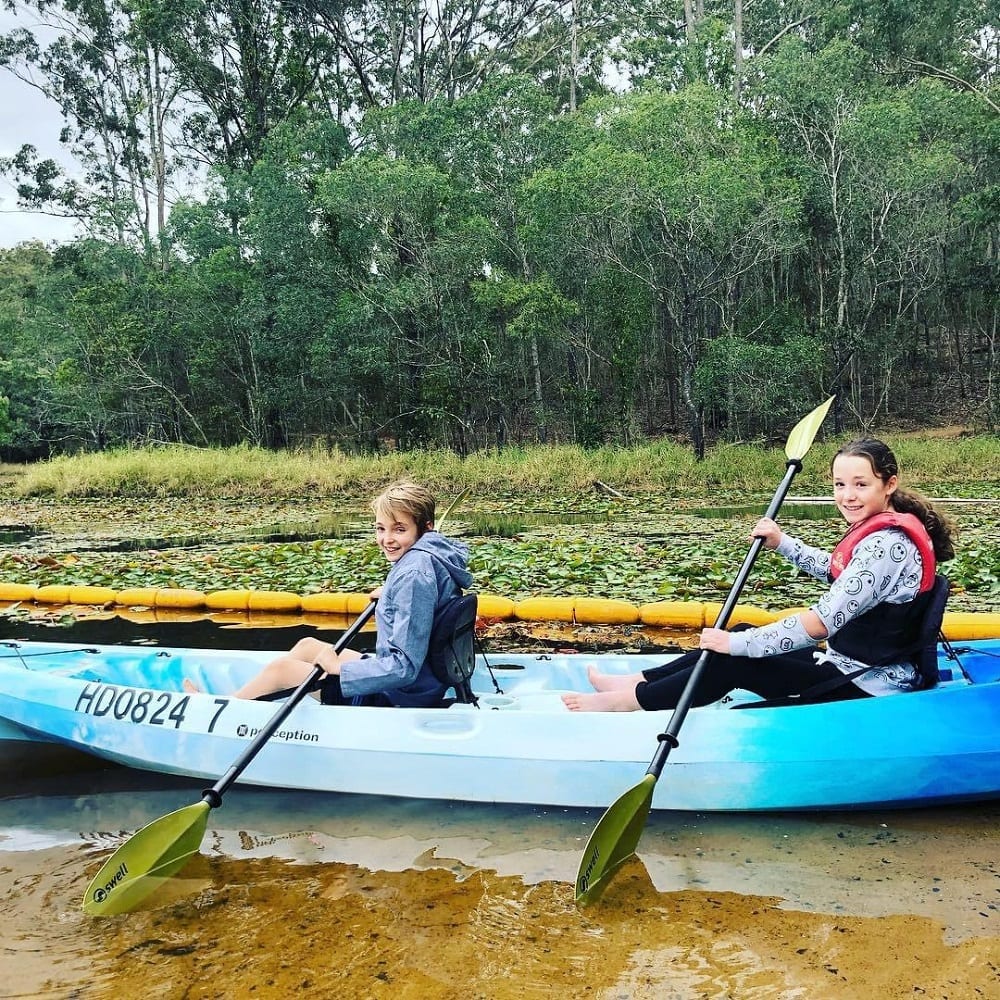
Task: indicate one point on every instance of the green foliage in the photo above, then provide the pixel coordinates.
(484, 239)
(739, 375)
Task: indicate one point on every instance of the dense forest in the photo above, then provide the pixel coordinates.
(397, 223)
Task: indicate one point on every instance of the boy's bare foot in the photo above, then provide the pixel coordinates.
(602, 701)
(191, 687)
(611, 682)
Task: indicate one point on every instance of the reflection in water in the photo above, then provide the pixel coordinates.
(16, 534)
(873, 863)
(200, 633)
(340, 895)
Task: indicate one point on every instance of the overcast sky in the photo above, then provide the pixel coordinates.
(26, 116)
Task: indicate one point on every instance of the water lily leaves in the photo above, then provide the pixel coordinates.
(640, 553)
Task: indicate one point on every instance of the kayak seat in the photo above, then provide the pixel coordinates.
(451, 652)
(925, 656)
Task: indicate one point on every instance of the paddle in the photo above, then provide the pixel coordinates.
(617, 833)
(161, 848)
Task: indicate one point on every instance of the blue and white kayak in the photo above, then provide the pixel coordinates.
(127, 704)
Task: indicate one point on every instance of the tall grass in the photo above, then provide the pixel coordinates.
(927, 463)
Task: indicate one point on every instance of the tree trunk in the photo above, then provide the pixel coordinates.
(737, 48)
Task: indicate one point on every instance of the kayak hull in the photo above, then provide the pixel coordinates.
(126, 704)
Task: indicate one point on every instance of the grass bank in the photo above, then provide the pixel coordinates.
(962, 465)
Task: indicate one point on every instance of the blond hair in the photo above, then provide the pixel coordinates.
(409, 498)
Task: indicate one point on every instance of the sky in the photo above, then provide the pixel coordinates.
(26, 116)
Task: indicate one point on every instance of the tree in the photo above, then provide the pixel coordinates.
(688, 199)
(105, 68)
(390, 53)
(880, 187)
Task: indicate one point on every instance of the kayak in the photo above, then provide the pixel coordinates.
(127, 704)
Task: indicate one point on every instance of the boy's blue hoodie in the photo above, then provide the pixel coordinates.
(429, 575)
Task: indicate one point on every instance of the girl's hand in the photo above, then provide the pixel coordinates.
(715, 639)
(375, 594)
(767, 529)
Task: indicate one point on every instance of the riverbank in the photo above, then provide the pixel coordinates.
(571, 549)
(935, 460)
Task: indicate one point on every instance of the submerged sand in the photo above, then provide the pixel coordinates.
(265, 927)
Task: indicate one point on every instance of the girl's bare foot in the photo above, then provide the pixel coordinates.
(602, 701)
(611, 682)
(191, 687)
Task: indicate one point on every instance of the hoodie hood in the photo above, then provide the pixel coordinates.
(447, 554)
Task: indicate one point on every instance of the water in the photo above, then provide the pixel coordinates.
(355, 896)
(820, 510)
(351, 896)
(16, 534)
(326, 526)
(201, 633)
(364, 896)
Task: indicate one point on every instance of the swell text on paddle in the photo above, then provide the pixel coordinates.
(101, 892)
(154, 708)
(584, 883)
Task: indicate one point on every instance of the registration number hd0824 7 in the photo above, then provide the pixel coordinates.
(152, 708)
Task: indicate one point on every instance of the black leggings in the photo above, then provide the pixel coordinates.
(770, 677)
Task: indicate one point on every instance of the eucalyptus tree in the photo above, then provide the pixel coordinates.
(24, 272)
(685, 196)
(246, 67)
(881, 186)
(499, 137)
(257, 289)
(407, 240)
(37, 353)
(103, 63)
(671, 43)
(395, 51)
(429, 216)
(85, 349)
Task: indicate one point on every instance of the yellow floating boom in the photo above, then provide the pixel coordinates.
(687, 615)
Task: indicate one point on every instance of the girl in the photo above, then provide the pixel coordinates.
(882, 572)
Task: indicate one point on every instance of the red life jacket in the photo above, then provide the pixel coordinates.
(889, 633)
(909, 523)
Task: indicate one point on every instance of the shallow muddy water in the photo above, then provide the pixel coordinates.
(348, 896)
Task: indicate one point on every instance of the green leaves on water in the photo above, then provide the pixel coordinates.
(642, 553)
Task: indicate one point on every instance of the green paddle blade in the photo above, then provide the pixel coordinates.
(146, 860)
(614, 840)
(800, 440)
(452, 506)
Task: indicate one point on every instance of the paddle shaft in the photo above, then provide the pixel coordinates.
(668, 738)
(213, 795)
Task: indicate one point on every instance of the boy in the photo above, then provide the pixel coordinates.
(431, 574)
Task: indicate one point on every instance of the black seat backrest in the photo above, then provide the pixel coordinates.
(925, 655)
(451, 653)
